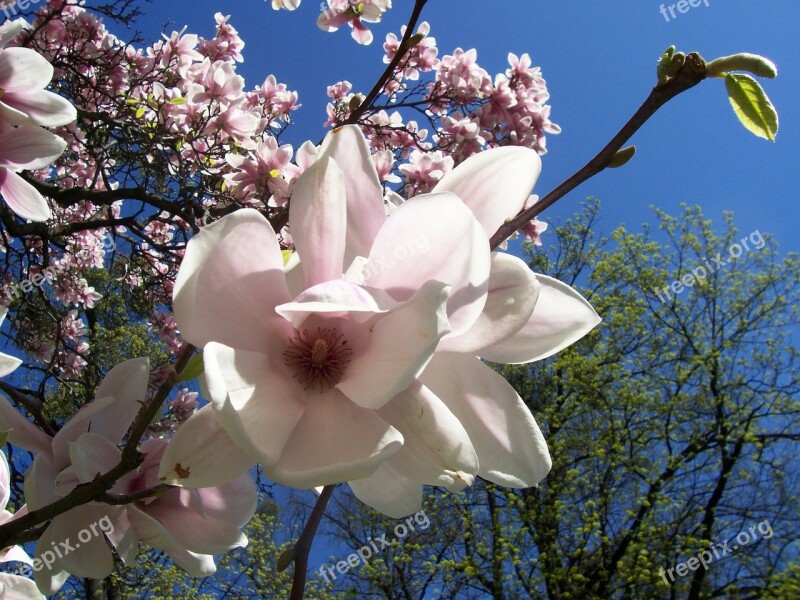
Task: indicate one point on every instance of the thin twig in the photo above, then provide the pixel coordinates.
(692, 73)
(303, 545)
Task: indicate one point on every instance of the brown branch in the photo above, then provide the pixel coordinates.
(121, 499)
(17, 531)
(692, 73)
(303, 545)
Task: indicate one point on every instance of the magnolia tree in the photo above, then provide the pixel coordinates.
(337, 330)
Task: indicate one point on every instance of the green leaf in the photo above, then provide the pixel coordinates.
(193, 368)
(287, 254)
(4, 438)
(752, 106)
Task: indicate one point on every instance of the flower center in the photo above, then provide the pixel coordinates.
(317, 359)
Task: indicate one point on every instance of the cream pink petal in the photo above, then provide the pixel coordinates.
(258, 404)
(365, 213)
(22, 197)
(561, 317)
(8, 364)
(93, 454)
(153, 533)
(229, 283)
(16, 587)
(513, 291)
(295, 278)
(22, 68)
(42, 107)
(336, 296)
(29, 147)
(192, 531)
(39, 486)
(318, 203)
(127, 383)
(123, 537)
(22, 432)
(74, 428)
(511, 449)
(86, 559)
(400, 346)
(494, 184)
(234, 502)
(334, 441)
(203, 447)
(389, 492)
(436, 449)
(456, 255)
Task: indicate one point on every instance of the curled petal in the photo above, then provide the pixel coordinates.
(319, 205)
(229, 283)
(365, 213)
(127, 384)
(204, 453)
(335, 441)
(513, 292)
(413, 247)
(511, 449)
(561, 317)
(389, 492)
(494, 184)
(22, 197)
(400, 346)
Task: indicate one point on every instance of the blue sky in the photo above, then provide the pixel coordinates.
(599, 62)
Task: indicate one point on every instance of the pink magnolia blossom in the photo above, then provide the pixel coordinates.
(354, 13)
(23, 148)
(12, 586)
(190, 525)
(359, 360)
(23, 76)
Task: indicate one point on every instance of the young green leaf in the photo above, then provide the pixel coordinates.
(193, 368)
(751, 105)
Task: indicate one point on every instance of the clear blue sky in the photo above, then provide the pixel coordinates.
(599, 61)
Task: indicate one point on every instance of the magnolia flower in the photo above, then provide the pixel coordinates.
(189, 525)
(359, 361)
(23, 76)
(13, 586)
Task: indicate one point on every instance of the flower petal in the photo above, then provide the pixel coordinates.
(204, 452)
(127, 384)
(335, 441)
(561, 317)
(258, 404)
(42, 107)
(511, 449)
(40, 482)
(400, 346)
(153, 533)
(388, 492)
(22, 432)
(22, 197)
(229, 283)
(85, 559)
(318, 216)
(513, 291)
(436, 447)
(414, 247)
(92, 454)
(15, 587)
(365, 213)
(75, 428)
(24, 69)
(494, 184)
(28, 147)
(336, 296)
